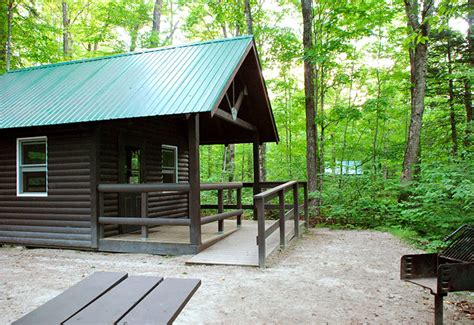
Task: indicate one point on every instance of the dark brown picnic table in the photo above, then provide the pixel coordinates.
(116, 298)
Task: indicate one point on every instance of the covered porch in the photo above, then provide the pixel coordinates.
(241, 241)
(182, 223)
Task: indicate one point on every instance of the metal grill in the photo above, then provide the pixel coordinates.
(461, 247)
(449, 271)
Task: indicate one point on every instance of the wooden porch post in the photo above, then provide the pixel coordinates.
(97, 202)
(256, 172)
(194, 180)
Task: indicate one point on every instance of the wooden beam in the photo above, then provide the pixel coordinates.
(151, 222)
(235, 109)
(238, 121)
(194, 180)
(231, 79)
(94, 180)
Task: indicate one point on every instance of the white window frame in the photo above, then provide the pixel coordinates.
(175, 149)
(19, 173)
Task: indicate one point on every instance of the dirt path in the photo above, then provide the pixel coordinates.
(333, 277)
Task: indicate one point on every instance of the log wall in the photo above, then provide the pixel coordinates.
(63, 218)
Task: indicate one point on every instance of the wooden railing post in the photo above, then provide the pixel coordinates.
(260, 209)
(101, 214)
(239, 206)
(305, 201)
(220, 209)
(295, 210)
(144, 208)
(281, 215)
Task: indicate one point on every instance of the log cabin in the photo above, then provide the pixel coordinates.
(97, 149)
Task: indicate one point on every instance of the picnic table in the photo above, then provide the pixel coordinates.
(116, 298)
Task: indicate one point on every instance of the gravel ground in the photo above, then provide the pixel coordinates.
(335, 277)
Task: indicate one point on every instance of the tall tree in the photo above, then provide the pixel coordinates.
(311, 131)
(3, 33)
(248, 17)
(66, 33)
(262, 149)
(467, 81)
(452, 115)
(155, 29)
(6, 18)
(419, 26)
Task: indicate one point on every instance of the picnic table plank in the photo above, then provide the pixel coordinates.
(109, 308)
(163, 304)
(71, 301)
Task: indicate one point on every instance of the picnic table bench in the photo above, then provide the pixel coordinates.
(449, 271)
(116, 298)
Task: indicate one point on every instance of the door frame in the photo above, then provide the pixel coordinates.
(132, 141)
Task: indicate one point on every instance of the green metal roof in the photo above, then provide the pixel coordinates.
(165, 81)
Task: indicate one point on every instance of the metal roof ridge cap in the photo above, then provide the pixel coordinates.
(119, 55)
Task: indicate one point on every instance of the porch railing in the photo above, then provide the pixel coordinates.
(144, 221)
(221, 215)
(279, 191)
(260, 204)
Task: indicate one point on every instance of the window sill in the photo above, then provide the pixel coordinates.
(32, 194)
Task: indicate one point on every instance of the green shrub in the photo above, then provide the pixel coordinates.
(439, 202)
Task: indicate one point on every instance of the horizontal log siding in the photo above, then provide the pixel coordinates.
(152, 133)
(63, 218)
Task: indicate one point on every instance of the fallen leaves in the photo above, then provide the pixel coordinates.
(465, 306)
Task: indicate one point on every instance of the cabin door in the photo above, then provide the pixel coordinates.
(131, 169)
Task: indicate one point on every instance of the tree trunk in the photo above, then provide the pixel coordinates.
(467, 84)
(173, 26)
(311, 130)
(66, 22)
(3, 34)
(452, 114)
(248, 16)
(133, 38)
(242, 178)
(343, 153)
(231, 169)
(418, 56)
(262, 149)
(377, 106)
(209, 162)
(155, 29)
(321, 137)
(376, 131)
(468, 104)
(224, 164)
(8, 44)
(342, 171)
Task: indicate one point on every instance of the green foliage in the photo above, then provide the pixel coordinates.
(441, 201)
(362, 95)
(360, 200)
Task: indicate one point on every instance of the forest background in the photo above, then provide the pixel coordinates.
(361, 94)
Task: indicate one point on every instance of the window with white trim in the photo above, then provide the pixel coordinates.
(32, 167)
(169, 163)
